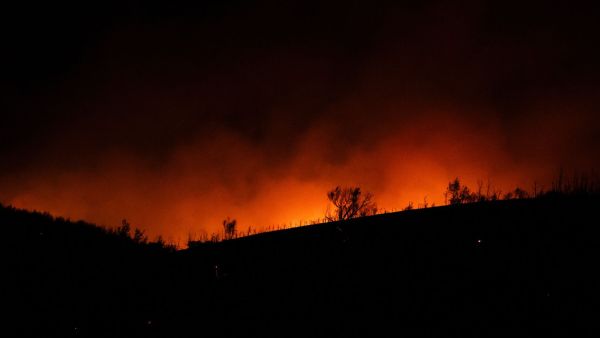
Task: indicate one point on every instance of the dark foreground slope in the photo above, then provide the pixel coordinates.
(508, 268)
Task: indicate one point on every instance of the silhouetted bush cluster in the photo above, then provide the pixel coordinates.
(575, 185)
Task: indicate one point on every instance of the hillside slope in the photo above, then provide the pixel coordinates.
(502, 269)
(505, 268)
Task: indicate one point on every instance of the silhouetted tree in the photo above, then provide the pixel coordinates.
(518, 193)
(479, 196)
(160, 241)
(350, 202)
(458, 194)
(139, 236)
(229, 227)
(124, 230)
(466, 196)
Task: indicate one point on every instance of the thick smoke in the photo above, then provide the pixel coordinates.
(177, 124)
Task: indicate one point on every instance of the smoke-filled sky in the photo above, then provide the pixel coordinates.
(177, 116)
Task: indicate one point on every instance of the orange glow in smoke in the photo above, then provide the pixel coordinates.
(205, 182)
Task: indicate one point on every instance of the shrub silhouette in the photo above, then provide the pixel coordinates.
(518, 194)
(124, 230)
(350, 202)
(459, 194)
(139, 236)
(229, 227)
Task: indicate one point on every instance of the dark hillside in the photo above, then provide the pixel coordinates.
(63, 277)
(499, 268)
(506, 268)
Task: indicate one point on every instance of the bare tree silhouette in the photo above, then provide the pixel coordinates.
(349, 202)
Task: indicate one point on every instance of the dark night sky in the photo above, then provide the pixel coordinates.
(177, 116)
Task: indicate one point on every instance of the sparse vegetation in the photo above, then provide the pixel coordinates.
(576, 185)
(461, 254)
(351, 202)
